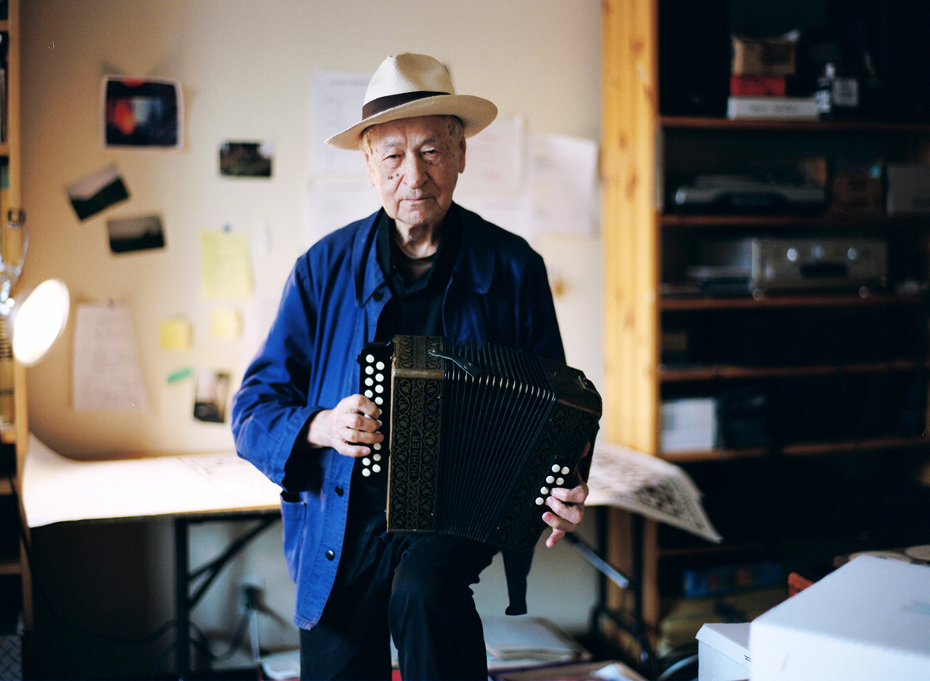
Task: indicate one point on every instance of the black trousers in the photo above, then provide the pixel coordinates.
(414, 587)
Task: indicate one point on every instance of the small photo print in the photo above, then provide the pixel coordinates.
(136, 234)
(211, 396)
(97, 192)
(141, 112)
(246, 159)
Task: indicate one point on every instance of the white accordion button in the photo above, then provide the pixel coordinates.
(376, 468)
(376, 457)
(376, 446)
(369, 382)
(560, 481)
(539, 500)
(369, 370)
(366, 472)
(379, 377)
(555, 468)
(366, 461)
(379, 401)
(566, 470)
(379, 388)
(369, 394)
(550, 479)
(379, 366)
(544, 490)
(369, 358)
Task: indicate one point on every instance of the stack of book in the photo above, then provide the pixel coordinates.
(759, 74)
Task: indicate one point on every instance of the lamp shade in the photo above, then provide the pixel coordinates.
(38, 320)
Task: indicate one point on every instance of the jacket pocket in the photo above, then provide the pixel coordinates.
(293, 514)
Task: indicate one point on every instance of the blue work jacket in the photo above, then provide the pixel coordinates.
(498, 293)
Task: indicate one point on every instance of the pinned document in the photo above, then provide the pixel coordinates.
(107, 371)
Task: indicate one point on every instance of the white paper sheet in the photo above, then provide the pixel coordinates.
(334, 202)
(58, 489)
(107, 371)
(336, 101)
(563, 180)
(647, 485)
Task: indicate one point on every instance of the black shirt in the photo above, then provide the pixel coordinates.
(415, 309)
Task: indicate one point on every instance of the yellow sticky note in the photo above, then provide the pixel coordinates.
(176, 334)
(226, 323)
(225, 271)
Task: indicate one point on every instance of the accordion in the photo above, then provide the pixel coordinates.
(476, 435)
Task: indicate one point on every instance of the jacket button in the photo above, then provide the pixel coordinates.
(330, 555)
(377, 295)
(339, 491)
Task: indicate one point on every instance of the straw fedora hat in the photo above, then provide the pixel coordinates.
(408, 85)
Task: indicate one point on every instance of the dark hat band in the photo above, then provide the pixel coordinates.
(376, 106)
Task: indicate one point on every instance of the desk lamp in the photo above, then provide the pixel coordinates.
(36, 319)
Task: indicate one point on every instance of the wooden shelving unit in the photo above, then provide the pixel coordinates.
(14, 433)
(646, 248)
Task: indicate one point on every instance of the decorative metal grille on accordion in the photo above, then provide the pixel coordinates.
(476, 435)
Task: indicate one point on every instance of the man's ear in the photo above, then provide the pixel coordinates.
(462, 154)
(368, 174)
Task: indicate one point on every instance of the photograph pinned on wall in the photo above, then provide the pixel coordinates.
(97, 192)
(246, 159)
(142, 112)
(212, 393)
(143, 233)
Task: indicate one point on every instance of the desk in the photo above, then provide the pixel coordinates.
(189, 488)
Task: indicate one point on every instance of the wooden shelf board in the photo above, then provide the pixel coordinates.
(685, 551)
(825, 221)
(10, 566)
(786, 300)
(799, 449)
(712, 123)
(734, 372)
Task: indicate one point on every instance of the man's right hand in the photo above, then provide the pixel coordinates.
(348, 427)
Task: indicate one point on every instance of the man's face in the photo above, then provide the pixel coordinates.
(414, 163)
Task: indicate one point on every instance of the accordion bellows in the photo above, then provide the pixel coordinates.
(477, 435)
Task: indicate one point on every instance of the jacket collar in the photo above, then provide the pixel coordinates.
(474, 267)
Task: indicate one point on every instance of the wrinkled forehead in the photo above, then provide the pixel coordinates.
(413, 131)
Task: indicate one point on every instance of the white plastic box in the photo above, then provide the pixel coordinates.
(723, 652)
(869, 619)
(689, 424)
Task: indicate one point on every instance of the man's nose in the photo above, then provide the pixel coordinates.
(414, 170)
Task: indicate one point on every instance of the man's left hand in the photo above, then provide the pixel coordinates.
(567, 511)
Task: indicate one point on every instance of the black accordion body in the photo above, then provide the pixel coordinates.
(476, 435)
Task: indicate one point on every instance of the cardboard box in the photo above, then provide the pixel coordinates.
(723, 652)
(758, 86)
(763, 57)
(908, 189)
(869, 619)
(856, 192)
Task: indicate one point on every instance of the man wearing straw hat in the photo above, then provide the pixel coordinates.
(422, 265)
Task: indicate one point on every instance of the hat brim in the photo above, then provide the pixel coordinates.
(475, 113)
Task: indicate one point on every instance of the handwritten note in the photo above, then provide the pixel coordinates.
(107, 371)
(225, 270)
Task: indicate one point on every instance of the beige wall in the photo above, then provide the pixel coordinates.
(244, 66)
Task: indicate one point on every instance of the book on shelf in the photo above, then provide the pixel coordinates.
(771, 107)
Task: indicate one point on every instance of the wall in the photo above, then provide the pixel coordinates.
(244, 66)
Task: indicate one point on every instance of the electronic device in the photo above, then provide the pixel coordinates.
(759, 264)
(746, 194)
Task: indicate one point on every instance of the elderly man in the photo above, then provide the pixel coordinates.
(421, 266)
